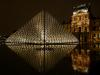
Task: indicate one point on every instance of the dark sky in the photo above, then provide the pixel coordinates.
(15, 13)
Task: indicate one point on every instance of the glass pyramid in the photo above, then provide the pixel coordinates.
(42, 42)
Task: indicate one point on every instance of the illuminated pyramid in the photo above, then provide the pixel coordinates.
(42, 42)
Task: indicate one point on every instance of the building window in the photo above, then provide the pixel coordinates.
(86, 16)
(99, 45)
(99, 35)
(77, 19)
(79, 29)
(74, 29)
(94, 46)
(94, 35)
(86, 29)
(80, 18)
(94, 28)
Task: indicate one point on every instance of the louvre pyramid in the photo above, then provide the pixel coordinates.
(42, 42)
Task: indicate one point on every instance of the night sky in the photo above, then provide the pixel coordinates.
(15, 13)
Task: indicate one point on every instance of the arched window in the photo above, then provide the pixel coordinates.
(85, 29)
(79, 29)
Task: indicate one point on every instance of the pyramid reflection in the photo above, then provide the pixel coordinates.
(42, 42)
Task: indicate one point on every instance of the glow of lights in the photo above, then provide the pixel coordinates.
(42, 34)
(74, 13)
(33, 33)
(82, 11)
(81, 61)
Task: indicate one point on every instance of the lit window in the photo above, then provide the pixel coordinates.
(99, 35)
(85, 28)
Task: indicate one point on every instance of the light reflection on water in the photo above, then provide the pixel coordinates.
(81, 60)
(41, 58)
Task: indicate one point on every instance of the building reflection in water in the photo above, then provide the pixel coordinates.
(80, 27)
(81, 60)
